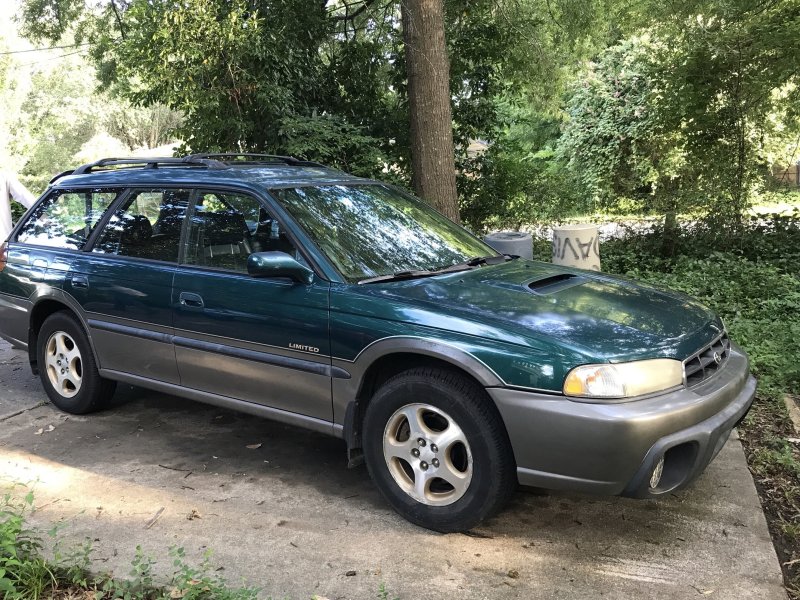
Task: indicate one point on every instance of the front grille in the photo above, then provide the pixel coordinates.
(701, 366)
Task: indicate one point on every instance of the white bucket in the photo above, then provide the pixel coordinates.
(577, 246)
(517, 243)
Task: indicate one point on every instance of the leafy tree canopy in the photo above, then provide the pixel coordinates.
(692, 113)
(245, 72)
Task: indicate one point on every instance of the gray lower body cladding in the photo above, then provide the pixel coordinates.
(611, 448)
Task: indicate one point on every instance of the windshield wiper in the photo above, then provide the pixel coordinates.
(477, 261)
(471, 263)
(399, 276)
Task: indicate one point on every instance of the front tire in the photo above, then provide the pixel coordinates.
(67, 367)
(437, 449)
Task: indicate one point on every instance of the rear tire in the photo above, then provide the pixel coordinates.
(438, 450)
(67, 367)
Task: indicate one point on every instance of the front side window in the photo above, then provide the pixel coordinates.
(373, 230)
(227, 227)
(147, 225)
(66, 218)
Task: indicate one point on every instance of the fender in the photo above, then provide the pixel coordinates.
(49, 293)
(346, 391)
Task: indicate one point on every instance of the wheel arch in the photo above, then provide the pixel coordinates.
(386, 358)
(43, 307)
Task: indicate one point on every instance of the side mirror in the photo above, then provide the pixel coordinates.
(278, 264)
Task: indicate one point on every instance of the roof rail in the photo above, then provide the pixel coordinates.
(150, 163)
(253, 158)
(59, 176)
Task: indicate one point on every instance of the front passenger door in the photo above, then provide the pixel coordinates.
(259, 340)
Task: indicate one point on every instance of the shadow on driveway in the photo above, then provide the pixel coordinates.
(281, 511)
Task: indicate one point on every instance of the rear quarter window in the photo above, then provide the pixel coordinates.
(66, 218)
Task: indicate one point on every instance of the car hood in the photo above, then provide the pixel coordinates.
(605, 317)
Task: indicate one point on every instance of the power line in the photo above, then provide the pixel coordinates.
(36, 62)
(42, 49)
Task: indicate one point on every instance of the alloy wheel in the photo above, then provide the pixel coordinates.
(427, 454)
(64, 364)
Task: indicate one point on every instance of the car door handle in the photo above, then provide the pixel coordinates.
(80, 281)
(191, 300)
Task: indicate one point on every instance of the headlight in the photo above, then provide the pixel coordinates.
(624, 380)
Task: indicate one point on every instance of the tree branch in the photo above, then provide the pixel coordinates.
(119, 19)
(349, 16)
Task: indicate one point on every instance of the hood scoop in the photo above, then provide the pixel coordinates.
(556, 283)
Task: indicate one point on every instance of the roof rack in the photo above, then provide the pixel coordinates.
(253, 158)
(150, 163)
(210, 161)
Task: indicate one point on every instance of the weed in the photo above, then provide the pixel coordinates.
(383, 594)
(25, 574)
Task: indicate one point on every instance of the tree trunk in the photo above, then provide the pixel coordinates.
(433, 174)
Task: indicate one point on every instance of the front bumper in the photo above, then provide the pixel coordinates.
(612, 448)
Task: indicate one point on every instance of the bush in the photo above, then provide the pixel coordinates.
(754, 285)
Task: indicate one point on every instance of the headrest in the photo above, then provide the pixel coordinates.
(224, 228)
(137, 230)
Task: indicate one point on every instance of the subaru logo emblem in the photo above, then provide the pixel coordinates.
(717, 358)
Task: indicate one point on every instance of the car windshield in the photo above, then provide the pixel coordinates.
(374, 230)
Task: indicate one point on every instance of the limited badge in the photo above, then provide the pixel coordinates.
(304, 348)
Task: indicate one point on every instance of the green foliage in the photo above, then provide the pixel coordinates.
(690, 113)
(509, 189)
(187, 582)
(60, 118)
(56, 117)
(49, 19)
(754, 286)
(684, 112)
(256, 75)
(777, 453)
(234, 68)
(138, 127)
(334, 142)
(24, 574)
(619, 139)
(383, 593)
(201, 583)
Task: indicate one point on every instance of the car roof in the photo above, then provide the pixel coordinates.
(171, 171)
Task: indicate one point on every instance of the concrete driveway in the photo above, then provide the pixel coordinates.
(280, 511)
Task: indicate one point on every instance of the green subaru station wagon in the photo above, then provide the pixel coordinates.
(292, 291)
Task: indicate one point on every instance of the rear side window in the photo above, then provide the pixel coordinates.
(66, 218)
(147, 225)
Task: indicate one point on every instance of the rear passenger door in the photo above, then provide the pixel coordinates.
(125, 283)
(258, 340)
(47, 246)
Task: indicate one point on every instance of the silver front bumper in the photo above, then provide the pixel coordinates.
(611, 448)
